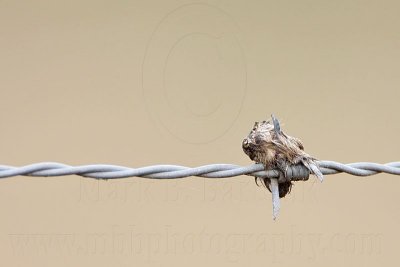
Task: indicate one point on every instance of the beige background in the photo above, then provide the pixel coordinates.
(140, 83)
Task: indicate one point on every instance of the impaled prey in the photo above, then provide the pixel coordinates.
(269, 145)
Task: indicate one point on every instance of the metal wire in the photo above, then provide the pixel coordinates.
(100, 171)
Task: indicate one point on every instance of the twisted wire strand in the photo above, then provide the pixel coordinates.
(103, 171)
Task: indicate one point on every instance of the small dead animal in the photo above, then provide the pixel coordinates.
(269, 145)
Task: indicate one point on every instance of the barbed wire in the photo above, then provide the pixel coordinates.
(103, 171)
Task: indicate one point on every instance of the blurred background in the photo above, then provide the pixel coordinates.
(138, 83)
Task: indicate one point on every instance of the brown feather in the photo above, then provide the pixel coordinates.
(277, 150)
